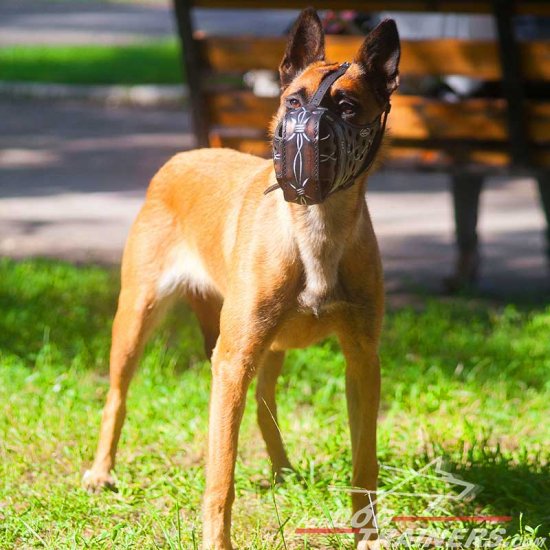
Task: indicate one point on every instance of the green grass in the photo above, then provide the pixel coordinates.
(462, 380)
(148, 63)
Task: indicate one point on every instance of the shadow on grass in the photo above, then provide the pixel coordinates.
(44, 302)
(502, 487)
(517, 490)
(469, 339)
(70, 309)
(508, 488)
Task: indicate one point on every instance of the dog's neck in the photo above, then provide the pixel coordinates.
(321, 234)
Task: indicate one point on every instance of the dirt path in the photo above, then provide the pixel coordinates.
(82, 22)
(102, 22)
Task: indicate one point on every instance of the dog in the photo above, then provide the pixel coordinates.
(266, 272)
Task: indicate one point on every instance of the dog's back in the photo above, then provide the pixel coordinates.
(194, 202)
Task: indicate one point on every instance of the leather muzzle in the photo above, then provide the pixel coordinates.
(316, 152)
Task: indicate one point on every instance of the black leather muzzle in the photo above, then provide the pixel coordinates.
(316, 152)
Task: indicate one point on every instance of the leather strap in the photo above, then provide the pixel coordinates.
(377, 139)
(326, 83)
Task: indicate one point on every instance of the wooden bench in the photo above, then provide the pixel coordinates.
(508, 131)
(468, 139)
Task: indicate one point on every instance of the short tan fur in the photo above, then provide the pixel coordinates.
(262, 276)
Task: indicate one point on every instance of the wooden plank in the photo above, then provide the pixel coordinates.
(474, 58)
(535, 59)
(415, 117)
(241, 53)
(535, 7)
(241, 109)
(395, 155)
(422, 158)
(538, 121)
(430, 158)
(412, 117)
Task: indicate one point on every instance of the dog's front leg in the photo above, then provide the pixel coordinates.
(232, 371)
(239, 350)
(363, 397)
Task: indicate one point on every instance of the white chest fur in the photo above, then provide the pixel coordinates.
(321, 240)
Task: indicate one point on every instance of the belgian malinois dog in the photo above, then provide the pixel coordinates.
(266, 272)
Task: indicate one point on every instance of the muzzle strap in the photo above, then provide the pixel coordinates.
(326, 83)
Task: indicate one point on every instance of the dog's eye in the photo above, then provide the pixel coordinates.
(347, 108)
(293, 103)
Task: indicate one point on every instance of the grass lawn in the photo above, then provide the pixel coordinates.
(461, 380)
(148, 63)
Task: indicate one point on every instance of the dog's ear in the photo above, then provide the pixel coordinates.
(379, 56)
(306, 44)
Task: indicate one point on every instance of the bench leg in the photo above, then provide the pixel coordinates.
(466, 189)
(543, 181)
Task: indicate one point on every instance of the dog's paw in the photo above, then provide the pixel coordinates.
(379, 544)
(222, 544)
(94, 482)
(280, 475)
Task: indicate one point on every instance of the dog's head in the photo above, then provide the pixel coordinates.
(354, 103)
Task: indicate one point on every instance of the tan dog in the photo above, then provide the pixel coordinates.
(262, 275)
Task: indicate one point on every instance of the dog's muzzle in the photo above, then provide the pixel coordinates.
(316, 152)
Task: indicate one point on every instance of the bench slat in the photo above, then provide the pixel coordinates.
(399, 156)
(405, 156)
(415, 117)
(535, 7)
(412, 117)
(473, 58)
(240, 109)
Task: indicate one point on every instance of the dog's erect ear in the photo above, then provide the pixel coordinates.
(379, 56)
(306, 44)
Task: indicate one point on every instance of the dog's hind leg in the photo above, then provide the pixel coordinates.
(207, 308)
(142, 302)
(269, 371)
(136, 314)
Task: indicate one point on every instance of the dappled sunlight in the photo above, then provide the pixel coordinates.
(463, 380)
